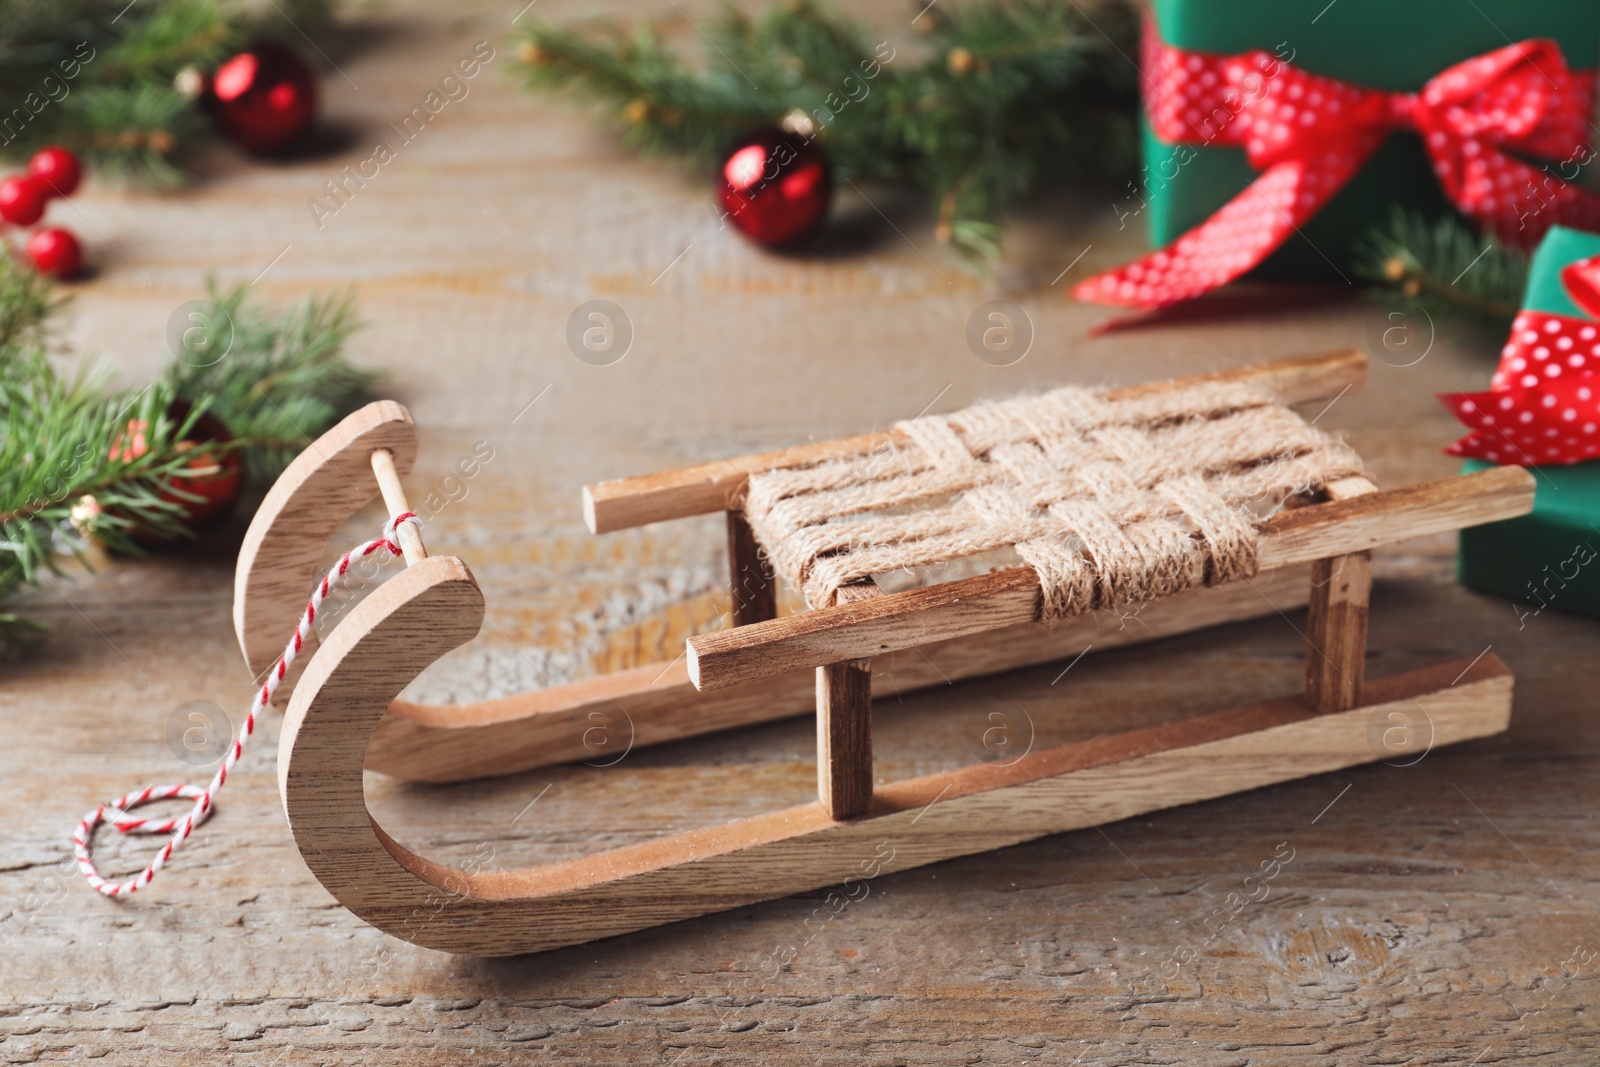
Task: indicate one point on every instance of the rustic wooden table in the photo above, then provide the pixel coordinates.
(1440, 912)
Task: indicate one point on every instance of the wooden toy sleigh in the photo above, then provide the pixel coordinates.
(344, 715)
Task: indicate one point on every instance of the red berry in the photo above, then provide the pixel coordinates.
(22, 200)
(57, 168)
(212, 475)
(56, 252)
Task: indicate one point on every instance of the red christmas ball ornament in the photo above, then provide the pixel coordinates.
(214, 475)
(56, 252)
(776, 187)
(22, 200)
(263, 99)
(57, 169)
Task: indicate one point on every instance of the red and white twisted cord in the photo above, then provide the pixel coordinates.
(180, 827)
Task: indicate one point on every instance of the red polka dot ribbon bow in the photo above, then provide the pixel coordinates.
(1543, 404)
(1309, 135)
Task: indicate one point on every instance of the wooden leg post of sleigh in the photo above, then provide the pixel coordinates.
(1143, 492)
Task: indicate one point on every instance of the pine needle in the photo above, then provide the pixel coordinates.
(284, 379)
(71, 469)
(1011, 96)
(1462, 279)
(97, 76)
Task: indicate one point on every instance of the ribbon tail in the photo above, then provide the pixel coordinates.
(1245, 231)
(1482, 442)
(1555, 422)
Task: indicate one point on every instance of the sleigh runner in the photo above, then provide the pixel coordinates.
(1179, 492)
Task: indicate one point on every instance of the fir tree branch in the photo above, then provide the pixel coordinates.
(63, 437)
(98, 76)
(283, 379)
(172, 36)
(1012, 96)
(81, 461)
(1461, 278)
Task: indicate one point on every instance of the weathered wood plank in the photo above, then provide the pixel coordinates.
(1425, 918)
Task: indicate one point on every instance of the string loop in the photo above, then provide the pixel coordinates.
(116, 812)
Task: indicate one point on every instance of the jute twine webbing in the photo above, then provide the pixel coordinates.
(1110, 501)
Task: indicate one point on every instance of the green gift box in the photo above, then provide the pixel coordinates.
(1550, 557)
(1379, 44)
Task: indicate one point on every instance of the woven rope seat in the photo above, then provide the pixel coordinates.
(1111, 501)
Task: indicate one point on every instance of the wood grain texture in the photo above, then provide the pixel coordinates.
(1011, 596)
(844, 738)
(323, 487)
(395, 502)
(419, 615)
(436, 606)
(720, 486)
(844, 724)
(754, 588)
(1336, 619)
(596, 720)
(1425, 917)
(1336, 630)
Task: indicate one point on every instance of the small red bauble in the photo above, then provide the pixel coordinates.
(22, 200)
(58, 170)
(216, 478)
(776, 187)
(56, 251)
(264, 99)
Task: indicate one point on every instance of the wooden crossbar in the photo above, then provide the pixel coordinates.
(720, 486)
(1011, 596)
